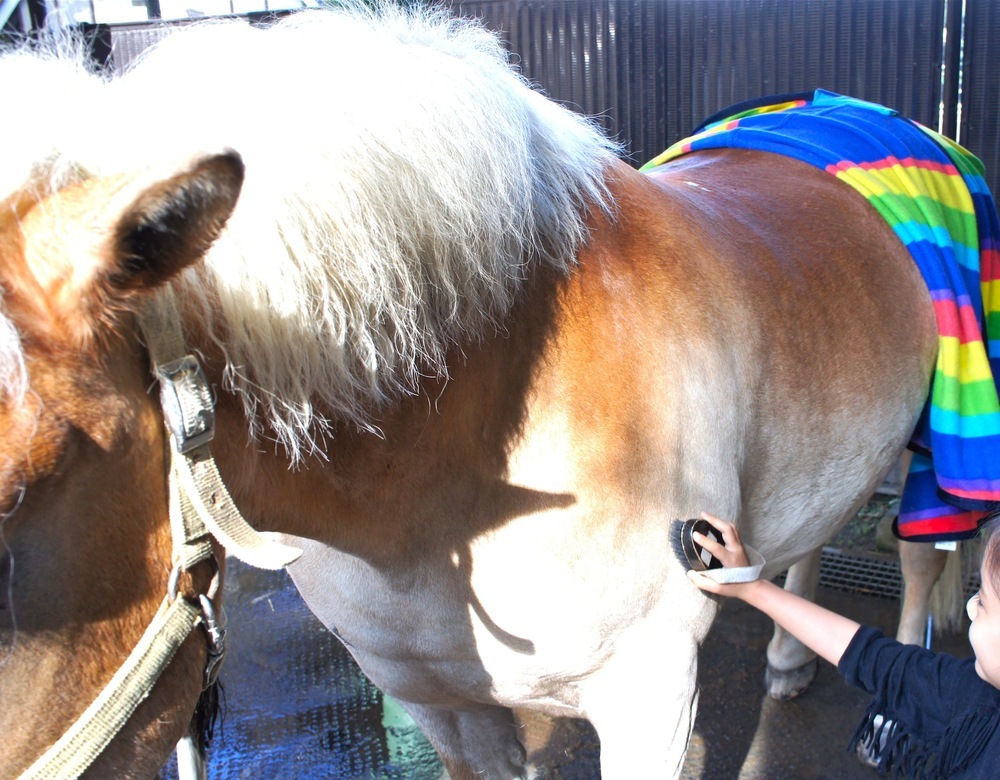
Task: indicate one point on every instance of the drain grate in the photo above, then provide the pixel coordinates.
(867, 574)
(870, 574)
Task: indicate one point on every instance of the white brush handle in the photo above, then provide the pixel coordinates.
(737, 574)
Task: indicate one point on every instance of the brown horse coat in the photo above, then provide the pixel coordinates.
(739, 334)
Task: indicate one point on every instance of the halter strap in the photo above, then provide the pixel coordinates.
(86, 739)
(189, 414)
(200, 509)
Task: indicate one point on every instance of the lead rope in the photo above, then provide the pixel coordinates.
(200, 508)
(86, 739)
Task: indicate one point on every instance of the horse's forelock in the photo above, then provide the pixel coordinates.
(13, 373)
(49, 86)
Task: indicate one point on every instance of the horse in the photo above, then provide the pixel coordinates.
(458, 366)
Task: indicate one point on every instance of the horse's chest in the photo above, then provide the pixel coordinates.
(507, 618)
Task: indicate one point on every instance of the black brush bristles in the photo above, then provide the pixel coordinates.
(691, 554)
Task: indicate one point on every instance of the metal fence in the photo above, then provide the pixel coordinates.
(651, 70)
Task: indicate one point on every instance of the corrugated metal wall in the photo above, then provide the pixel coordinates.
(653, 69)
(980, 111)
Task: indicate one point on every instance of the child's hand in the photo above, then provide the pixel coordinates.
(730, 552)
(825, 632)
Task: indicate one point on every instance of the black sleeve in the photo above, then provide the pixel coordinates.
(911, 684)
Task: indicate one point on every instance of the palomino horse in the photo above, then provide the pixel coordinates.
(463, 357)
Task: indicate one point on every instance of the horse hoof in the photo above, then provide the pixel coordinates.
(870, 752)
(783, 685)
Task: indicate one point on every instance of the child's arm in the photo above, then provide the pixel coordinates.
(826, 633)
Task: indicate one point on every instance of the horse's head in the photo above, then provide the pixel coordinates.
(85, 544)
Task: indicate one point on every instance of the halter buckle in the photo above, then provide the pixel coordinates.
(187, 403)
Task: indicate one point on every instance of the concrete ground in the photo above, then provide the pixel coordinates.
(740, 732)
(297, 706)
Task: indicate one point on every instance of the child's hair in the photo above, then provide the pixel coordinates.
(991, 552)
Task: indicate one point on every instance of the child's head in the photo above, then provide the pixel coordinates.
(990, 567)
(984, 609)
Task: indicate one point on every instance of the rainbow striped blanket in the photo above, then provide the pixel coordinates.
(932, 192)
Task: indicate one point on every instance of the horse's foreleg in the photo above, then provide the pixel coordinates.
(922, 565)
(642, 704)
(791, 666)
(474, 744)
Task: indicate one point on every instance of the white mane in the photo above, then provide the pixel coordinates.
(400, 181)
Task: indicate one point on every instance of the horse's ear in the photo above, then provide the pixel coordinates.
(85, 256)
(172, 223)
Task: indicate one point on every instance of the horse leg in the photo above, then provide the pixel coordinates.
(190, 759)
(474, 744)
(922, 565)
(791, 666)
(642, 704)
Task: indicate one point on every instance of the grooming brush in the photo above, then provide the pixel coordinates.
(691, 554)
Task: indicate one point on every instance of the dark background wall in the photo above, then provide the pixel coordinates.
(980, 129)
(651, 70)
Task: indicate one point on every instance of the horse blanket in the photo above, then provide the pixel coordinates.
(932, 193)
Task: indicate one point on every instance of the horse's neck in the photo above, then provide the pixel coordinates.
(436, 451)
(440, 468)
